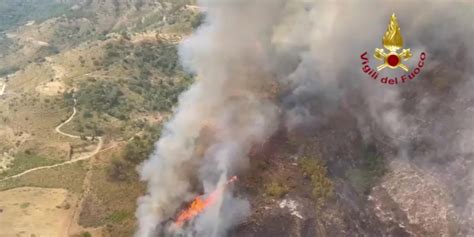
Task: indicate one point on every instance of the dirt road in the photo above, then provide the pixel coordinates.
(58, 130)
(2, 90)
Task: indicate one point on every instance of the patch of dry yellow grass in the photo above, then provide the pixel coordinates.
(35, 212)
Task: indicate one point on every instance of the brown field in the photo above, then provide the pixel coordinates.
(35, 212)
(33, 105)
(51, 88)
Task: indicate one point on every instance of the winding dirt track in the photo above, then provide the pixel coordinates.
(58, 130)
(2, 91)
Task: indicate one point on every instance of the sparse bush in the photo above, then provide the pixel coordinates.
(118, 170)
(136, 151)
(275, 189)
(198, 20)
(87, 114)
(69, 98)
(322, 188)
(118, 216)
(364, 177)
(162, 56)
(86, 234)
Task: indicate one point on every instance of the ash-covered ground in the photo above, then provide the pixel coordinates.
(321, 148)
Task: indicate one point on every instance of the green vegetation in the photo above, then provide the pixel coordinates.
(160, 97)
(66, 34)
(114, 203)
(8, 70)
(104, 97)
(16, 12)
(178, 18)
(136, 151)
(25, 205)
(118, 217)
(364, 177)
(198, 20)
(155, 87)
(86, 234)
(25, 161)
(119, 170)
(46, 51)
(146, 56)
(276, 189)
(322, 187)
(69, 177)
(122, 92)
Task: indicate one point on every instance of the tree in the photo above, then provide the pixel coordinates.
(138, 150)
(118, 171)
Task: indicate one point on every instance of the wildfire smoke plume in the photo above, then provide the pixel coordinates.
(308, 51)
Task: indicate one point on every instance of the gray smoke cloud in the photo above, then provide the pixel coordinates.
(218, 119)
(265, 64)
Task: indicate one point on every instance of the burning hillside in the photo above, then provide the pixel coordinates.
(198, 205)
(307, 56)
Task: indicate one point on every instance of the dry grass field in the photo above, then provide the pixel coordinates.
(49, 58)
(35, 212)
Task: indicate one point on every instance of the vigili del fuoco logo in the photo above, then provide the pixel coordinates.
(392, 58)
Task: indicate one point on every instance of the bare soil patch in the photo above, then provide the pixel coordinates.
(52, 88)
(35, 212)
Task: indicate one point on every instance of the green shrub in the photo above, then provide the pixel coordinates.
(197, 20)
(86, 234)
(275, 189)
(119, 170)
(156, 55)
(137, 150)
(103, 97)
(372, 167)
(118, 216)
(322, 187)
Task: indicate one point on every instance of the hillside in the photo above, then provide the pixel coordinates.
(115, 63)
(248, 118)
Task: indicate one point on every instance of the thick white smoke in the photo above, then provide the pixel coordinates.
(310, 50)
(230, 100)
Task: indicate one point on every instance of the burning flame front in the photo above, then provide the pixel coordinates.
(198, 205)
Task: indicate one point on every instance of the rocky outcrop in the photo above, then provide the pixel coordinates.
(413, 200)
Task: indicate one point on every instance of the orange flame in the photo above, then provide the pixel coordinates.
(198, 205)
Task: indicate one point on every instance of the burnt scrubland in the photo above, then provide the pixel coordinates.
(320, 151)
